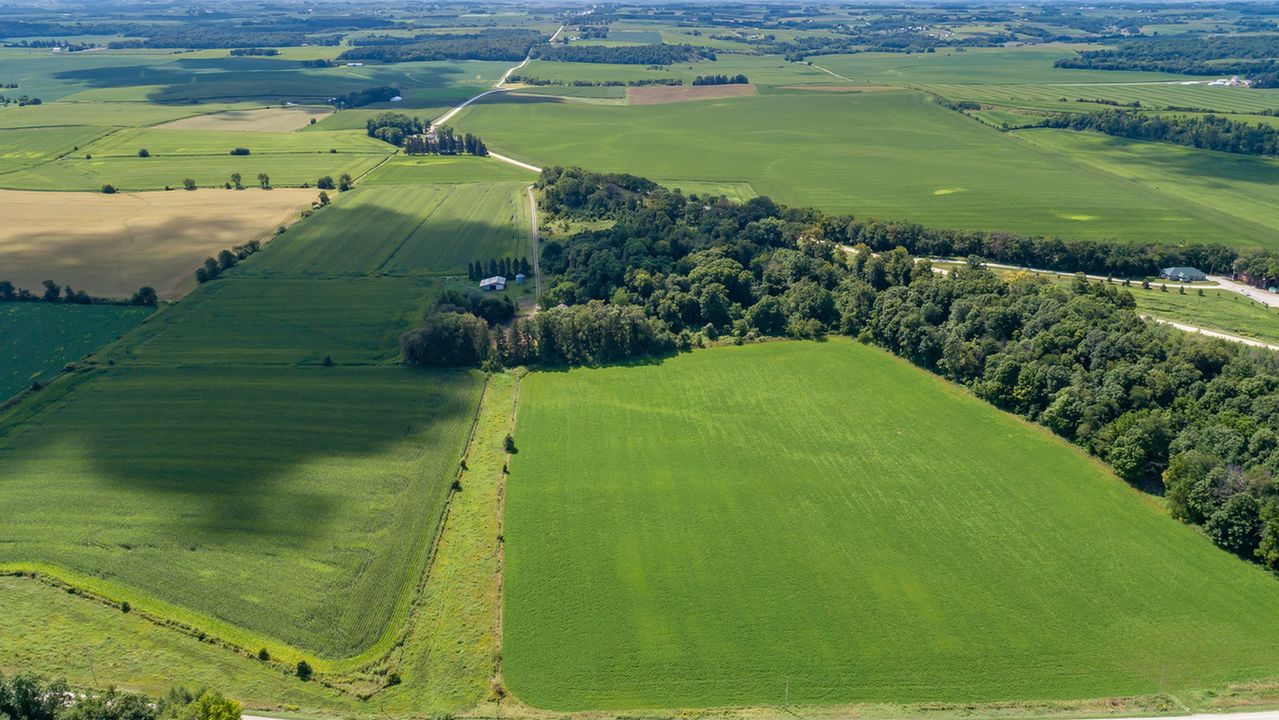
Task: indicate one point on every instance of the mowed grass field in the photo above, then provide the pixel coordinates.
(39, 338)
(270, 506)
(403, 230)
(110, 245)
(883, 154)
(284, 322)
(824, 522)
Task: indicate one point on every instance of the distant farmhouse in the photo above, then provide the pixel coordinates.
(497, 282)
(1183, 274)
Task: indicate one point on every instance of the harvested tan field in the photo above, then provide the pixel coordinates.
(281, 119)
(110, 245)
(661, 94)
(842, 88)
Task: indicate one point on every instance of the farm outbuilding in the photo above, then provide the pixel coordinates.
(520, 278)
(1183, 274)
(497, 282)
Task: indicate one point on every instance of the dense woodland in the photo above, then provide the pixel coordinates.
(654, 54)
(1253, 56)
(1209, 132)
(28, 697)
(367, 96)
(1192, 417)
(495, 44)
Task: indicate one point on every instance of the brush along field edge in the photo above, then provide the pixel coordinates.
(202, 625)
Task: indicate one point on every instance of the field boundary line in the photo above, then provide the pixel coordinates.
(499, 576)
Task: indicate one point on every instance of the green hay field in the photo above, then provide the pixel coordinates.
(24, 147)
(437, 169)
(884, 154)
(825, 522)
(39, 338)
(284, 322)
(267, 505)
(1239, 192)
(156, 173)
(162, 142)
(402, 230)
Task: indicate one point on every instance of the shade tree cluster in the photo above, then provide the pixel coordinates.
(225, 260)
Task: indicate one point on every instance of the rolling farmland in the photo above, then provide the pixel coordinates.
(885, 154)
(727, 520)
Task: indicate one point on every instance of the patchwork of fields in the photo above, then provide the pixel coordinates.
(786, 523)
(826, 522)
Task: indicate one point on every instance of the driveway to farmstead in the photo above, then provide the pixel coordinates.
(497, 88)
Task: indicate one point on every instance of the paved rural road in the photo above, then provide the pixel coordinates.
(497, 88)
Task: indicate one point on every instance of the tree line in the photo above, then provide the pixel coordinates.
(1209, 132)
(1191, 417)
(506, 267)
(493, 44)
(55, 293)
(367, 96)
(28, 697)
(738, 79)
(254, 52)
(1253, 56)
(653, 54)
(225, 260)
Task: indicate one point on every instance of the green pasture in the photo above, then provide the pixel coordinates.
(402, 230)
(162, 142)
(876, 154)
(1236, 193)
(1215, 310)
(738, 192)
(37, 339)
(129, 173)
(824, 523)
(270, 506)
(441, 169)
(283, 322)
(53, 114)
(25, 147)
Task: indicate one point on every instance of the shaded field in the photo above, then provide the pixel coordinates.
(273, 506)
(886, 154)
(100, 114)
(440, 169)
(281, 119)
(37, 339)
(284, 322)
(110, 245)
(825, 522)
(402, 230)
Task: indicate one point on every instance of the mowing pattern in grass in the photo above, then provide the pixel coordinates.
(1216, 310)
(403, 230)
(717, 527)
(36, 339)
(295, 503)
(885, 154)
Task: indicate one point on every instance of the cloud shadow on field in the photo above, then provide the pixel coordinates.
(216, 453)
